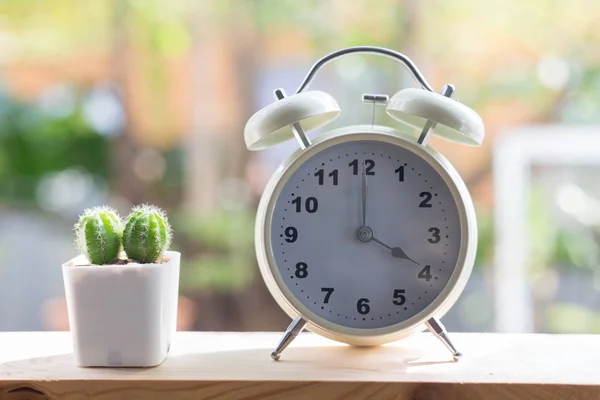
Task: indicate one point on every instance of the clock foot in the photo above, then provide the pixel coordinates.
(439, 331)
(290, 334)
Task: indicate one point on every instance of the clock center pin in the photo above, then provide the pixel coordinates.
(365, 234)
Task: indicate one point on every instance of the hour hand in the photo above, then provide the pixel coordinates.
(397, 252)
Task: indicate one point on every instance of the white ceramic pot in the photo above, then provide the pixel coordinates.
(122, 315)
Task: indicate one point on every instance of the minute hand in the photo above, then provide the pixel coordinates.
(365, 189)
(397, 252)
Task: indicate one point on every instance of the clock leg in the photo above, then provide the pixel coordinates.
(290, 334)
(439, 331)
(447, 91)
(297, 130)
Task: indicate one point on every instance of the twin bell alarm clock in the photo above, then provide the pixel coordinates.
(365, 234)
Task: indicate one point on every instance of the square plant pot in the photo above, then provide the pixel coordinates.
(122, 315)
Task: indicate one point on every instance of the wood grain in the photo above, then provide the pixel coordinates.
(221, 366)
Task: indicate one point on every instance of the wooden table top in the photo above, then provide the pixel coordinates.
(39, 365)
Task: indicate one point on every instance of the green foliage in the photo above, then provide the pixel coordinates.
(485, 241)
(551, 246)
(98, 235)
(33, 144)
(310, 18)
(543, 228)
(582, 104)
(147, 234)
(571, 318)
(575, 249)
(220, 250)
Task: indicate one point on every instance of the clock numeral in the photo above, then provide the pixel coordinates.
(435, 232)
(298, 202)
(369, 165)
(400, 172)
(426, 196)
(328, 291)
(334, 175)
(311, 204)
(301, 270)
(363, 306)
(399, 297)
(354, 165)
(321, 175)
(426, 273)
(291, 234)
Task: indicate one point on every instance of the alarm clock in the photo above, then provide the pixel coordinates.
(365, 234)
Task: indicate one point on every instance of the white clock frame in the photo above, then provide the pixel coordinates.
(421, 110)
(357, 336)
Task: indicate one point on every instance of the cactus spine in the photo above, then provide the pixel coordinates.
(147, 234)
(98, 234)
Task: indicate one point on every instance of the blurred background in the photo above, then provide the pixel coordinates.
(129, 101)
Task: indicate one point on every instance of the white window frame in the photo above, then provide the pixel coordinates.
(514, 155)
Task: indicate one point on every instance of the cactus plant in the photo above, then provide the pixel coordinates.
(147, 234)
(98, 234)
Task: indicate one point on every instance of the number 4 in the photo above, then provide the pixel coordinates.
(426, 273)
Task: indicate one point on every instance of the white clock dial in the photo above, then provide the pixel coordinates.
(370, 275)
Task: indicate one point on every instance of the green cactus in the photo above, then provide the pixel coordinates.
(147, 234)
(98, 234)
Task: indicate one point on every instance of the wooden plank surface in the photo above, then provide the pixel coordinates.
(237, 366)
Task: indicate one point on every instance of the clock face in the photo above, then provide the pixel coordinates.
(369, 274)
